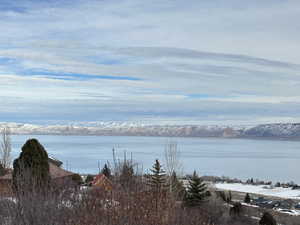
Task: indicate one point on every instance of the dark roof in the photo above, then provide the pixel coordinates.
(58, 172)
(55, 172)
(55, 161)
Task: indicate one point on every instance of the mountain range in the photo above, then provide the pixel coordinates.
(276, 130)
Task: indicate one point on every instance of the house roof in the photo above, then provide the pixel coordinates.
(55, 161)
(58, 172)
(55, 172)
(102, 181)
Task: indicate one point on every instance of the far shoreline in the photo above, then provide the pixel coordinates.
(296, 139)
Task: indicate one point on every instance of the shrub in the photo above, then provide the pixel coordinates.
(247, 198)
(267, 219)
(77, 179)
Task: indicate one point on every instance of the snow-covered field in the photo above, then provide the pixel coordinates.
(261, 190)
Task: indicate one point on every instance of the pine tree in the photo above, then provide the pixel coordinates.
(2, 170)
(89, 178)
(127, 175)
(196, 191)
(157, 178)
(157, 182)
(106, 171)
(247, 198)
(31, 169)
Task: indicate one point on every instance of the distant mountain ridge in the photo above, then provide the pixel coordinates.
(276, 130)
(279, 130)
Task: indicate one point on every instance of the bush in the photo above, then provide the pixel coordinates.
(267, 219)
(236, 210)
(89, 178)
(247, 198)
(77, 179)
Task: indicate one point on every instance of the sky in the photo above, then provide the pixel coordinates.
(171, 61)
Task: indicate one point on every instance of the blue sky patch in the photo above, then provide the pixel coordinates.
(200, 96)
(75, 76)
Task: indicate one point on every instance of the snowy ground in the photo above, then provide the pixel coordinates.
(261, 190)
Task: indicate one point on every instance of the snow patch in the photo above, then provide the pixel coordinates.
(280, 192)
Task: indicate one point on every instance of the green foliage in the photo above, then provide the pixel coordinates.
(247, 198)
(196, 191)
(106, 171)
(127, 177)
(157, 179)
(31, 169)
(2, 170)
(267, 219)
(77, 179)
(89, 178)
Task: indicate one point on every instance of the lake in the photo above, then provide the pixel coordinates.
(241, 158)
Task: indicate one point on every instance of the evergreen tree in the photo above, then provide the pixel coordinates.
(196, 191)
(127, 176)
(77, 179)
(157, 178)
(89, 178)
(2, 170)
(247, 198)
(31, 169)
(158, 183)
(106, 171)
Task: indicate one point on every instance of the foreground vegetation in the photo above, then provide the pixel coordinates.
(157, 198)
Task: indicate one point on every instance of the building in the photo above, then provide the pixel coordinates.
(58, 175)
(102, 182)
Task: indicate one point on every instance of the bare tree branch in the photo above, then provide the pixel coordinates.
(172, 158)
(5, 148)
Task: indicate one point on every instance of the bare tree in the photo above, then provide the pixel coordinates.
(5, 148)
(172, 158)
(173, 166)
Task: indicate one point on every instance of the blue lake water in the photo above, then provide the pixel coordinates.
(240, 158)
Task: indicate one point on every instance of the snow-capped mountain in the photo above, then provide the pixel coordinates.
(279, 130)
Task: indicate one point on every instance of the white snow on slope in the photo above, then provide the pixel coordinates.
(261, 190)
(129, 128)
(124, 128)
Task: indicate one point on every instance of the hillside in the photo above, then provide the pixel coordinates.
(279, 130)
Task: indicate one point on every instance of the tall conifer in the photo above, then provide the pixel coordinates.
(106, 171)
(196, 191)
(31, 169)
(157, 178)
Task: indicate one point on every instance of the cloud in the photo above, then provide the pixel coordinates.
(131, 60)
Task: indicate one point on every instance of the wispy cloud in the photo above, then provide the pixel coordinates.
(132, 60)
